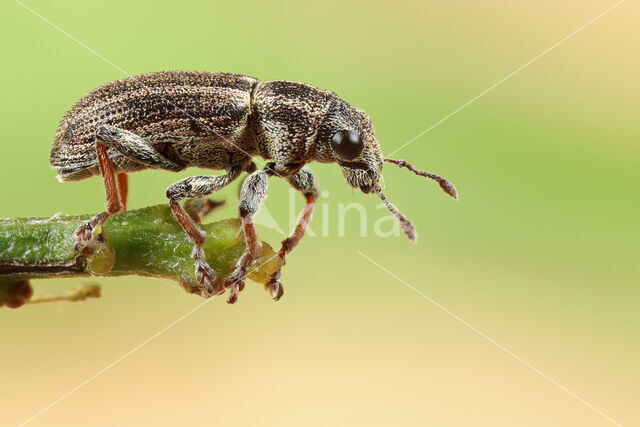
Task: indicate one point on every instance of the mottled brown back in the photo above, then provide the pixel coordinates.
(166, 108)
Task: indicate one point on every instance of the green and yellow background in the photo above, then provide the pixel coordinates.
(540, 253)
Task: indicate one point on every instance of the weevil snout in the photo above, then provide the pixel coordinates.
(363, 175)
(374, 176)
(365, 171)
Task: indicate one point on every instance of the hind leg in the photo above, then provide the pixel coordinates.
(198, 187)
(135, 148)
(85, 232)
(131, 146)
(123, 189)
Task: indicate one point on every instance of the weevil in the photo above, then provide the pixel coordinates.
(172, 120)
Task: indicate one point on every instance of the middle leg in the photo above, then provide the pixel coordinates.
(198, 187)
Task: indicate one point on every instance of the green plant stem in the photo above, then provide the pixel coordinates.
(143, 242)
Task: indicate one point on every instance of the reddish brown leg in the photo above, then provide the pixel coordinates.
(198, 187)
(123, 189)
(254, 247)
(252, 195)
(113, 202)
(289, 244)
(187, 223)
(204, 274)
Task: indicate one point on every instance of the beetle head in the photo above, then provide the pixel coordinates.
(346, 137)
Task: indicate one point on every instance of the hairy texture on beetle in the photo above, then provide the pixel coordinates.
(200, 186)
(253, 192)
(177, 119)
(135, 148)
(187, 110)
(287, 118)
(305, 182)
(210, 120)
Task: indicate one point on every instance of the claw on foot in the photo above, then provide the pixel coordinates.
(236, 283)
(237, 278)
(89, 230)
(205, 275)
(233, 295)
(274, 287)
(84, 234)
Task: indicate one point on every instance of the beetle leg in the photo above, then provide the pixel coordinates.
(198, 187)
(136, 148)
(252, 195)
(123, 189)
(131, 146)
(304, 182)
(85, 232)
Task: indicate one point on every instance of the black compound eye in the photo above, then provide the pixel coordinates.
(347, 144)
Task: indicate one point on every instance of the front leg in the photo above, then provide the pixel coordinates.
(252, 195)
(304, 182)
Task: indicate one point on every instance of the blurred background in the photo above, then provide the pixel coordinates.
(540, 253)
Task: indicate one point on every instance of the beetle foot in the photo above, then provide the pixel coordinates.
(88, 231)
(235, 291)
(84, 234)
(237, 278)
(236, 282)
(274, 287)
(204, 274)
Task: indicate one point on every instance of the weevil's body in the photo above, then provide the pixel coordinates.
(186, 116)
(176, 119)
(208, 120)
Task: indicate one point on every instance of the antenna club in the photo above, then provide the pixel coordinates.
(449, 188)
(405, 224)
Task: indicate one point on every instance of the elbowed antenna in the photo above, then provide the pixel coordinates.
(406, 225)
(447, 186)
